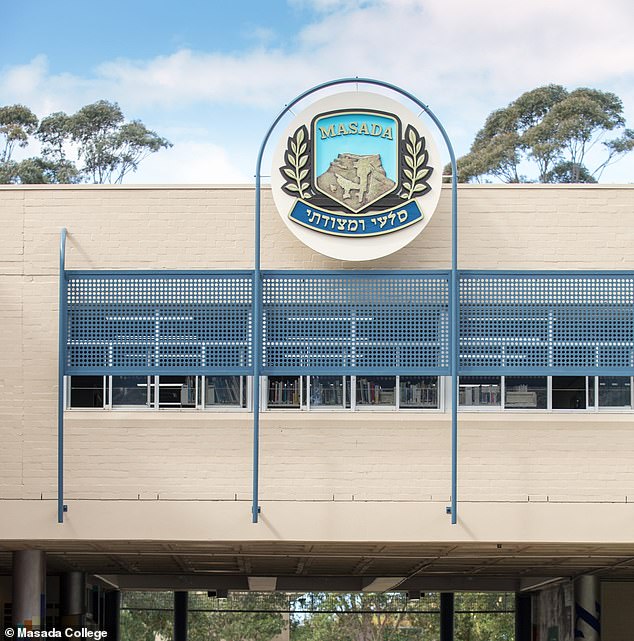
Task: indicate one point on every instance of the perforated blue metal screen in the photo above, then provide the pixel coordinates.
(546, 322)
(338, 322)
(159, 322)
(366, 322)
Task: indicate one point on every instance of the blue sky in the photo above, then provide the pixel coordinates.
(211, 76)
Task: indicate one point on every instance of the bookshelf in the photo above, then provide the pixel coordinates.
(479, 391)
(327, 391)
(284, 392)
(376, 390)
(418, 392)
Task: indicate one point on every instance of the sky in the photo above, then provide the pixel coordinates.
(211, 76)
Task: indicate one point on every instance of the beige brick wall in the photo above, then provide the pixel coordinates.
(340, 457)
(344, 457)
(501, 226)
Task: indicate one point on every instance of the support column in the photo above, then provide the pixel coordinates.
(523, 617)
(180, 616)
(112, 611)
(29, 589)
(587, 608)
(446, 616)
(72, 600)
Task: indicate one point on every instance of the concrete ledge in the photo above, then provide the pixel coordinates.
(328, 521)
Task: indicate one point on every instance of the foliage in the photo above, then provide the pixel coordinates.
(357, 617)
(481, 617)
(104, 146)
(109, 147)
(343, 617)
(384, 617)
(552, 130)
(17, 123)
(145, 625)
(219, 625)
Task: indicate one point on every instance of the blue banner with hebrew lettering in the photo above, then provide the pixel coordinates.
(373, 224)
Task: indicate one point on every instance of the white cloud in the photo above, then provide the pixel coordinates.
(331, 5)
(445, 50)
(188, 162)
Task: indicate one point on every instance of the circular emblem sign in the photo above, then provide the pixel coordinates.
(356, 176)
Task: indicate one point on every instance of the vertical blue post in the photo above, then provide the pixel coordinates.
(455, 340)
(257, 289)
(61, 364)
(257, 345)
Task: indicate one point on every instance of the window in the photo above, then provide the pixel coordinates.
(374, 391)
(177, 392)
(480, 391)
(315, 393)
(615, 391)
(418, 392)
(284, 392)
(225, 391)
(173, 392)
(526, 392)
(87, 391)
(329, 392)
(132, 391)
(407, 392)
(571, 392)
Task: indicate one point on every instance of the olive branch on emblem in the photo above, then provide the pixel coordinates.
(295, 170)
(414, 167)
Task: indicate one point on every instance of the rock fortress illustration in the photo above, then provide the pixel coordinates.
(356, 180)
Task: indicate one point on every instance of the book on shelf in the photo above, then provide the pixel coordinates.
(284, 392)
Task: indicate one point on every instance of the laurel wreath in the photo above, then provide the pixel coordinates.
(414, 170)
(295, 170)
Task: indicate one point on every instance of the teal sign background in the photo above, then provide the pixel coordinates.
(328, 149)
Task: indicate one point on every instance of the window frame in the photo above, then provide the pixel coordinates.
(369, 407)
(484, 408)
(329, 408)
(67, 395)
(149, 404)
(246, 387)
(307, 406)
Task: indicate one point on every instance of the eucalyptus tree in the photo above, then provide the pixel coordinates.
(96, 144)
(551, 131)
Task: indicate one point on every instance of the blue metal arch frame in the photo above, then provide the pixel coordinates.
(257, 350)
(257, 304)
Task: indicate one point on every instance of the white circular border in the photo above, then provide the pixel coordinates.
(352, 248)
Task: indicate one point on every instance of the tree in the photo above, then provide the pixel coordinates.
(109, 147)
(148, 616)
(17, 124)
(54, 133)
(365, 617)
(484, 617)
(146, 625)
(387, 617)
(104, 146)
(552, 129)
